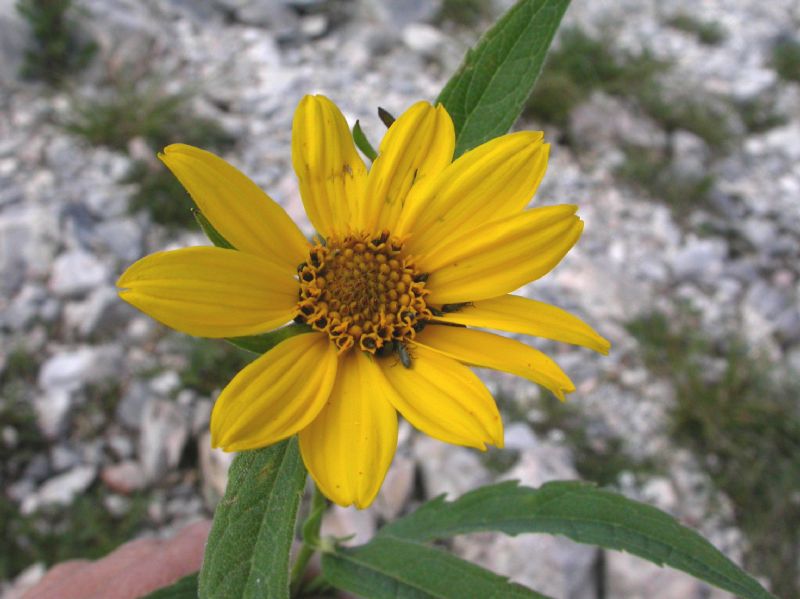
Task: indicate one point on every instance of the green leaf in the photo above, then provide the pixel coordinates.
(185, 588)
(212, 234)
(259, 344)
(391, 568)
(386, 117)
(247, 554)
(583, 513)
(363, 143)
(487, 93)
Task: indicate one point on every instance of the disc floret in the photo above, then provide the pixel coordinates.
(362, 291)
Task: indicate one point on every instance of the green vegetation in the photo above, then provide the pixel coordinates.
(159, 194)
(709, 33)
(97, 409)
(704, 115)
(134, 110)
(581, 64)
(84, 529)
(16, 412)
(20, 365)
(651, 170)
(499, 461)
(56, 49)
(759, 114)
(743, 424)
(211, 364)
(554, 98)
(598, 457)
(786, 59)
(468, 13)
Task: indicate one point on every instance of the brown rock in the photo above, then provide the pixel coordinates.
(125, 477)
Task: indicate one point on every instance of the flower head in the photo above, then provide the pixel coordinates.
(411, 255)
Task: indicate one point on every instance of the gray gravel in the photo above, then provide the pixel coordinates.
(66, 234)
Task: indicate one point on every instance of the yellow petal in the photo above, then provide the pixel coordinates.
(444, 399)
(501, 256)
(211, 292)
(493, 351)
(276, 395)
(417, 146)
(243, 214)
(528, 317)
(494, 180)
(332, 175)
(349, 446)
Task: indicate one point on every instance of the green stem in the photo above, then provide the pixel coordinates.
(310, 540)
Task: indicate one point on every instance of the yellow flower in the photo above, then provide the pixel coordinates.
(413, 253)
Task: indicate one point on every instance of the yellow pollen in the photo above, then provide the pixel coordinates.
(363, 292)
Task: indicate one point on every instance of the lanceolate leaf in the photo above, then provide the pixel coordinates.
(362, 143)
(487, 93)
(386, 117)
(247, 555)
(259, 344)
(585, 514)
(212, 234)
(388, 568)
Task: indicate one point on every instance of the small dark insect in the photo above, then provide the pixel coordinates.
(455, 307)
(385, 116)
(402, 353)
(348, 169)
(399, 348)
(421, 278)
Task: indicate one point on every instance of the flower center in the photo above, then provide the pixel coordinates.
(362, 291)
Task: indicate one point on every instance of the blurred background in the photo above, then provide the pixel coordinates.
(676, 128)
